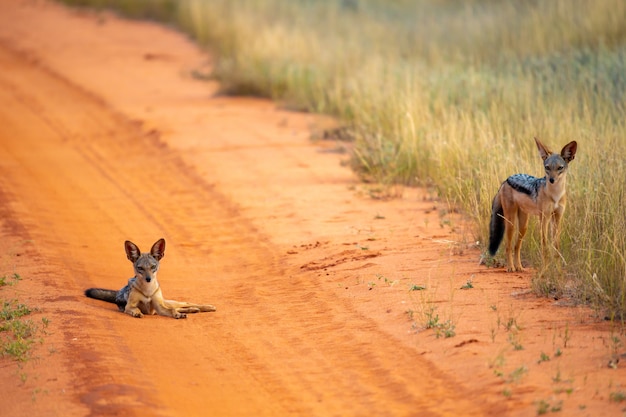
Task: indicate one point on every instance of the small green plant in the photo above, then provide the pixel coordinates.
(615, 345)
(410, 313)
(517, 374)
(416, 287)
(16, 333)
(12, 310)
(544, 357)
(432, 319)
(444, 329)
(512, 324)
(468, 285)
(493, 332)
(566, 336)
(617, 396)
(514, 341)
(388, 281)
(568, 390)
(497, 363)
(11, 280)
(544, 407)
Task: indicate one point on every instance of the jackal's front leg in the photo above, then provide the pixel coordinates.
(556, 236)
(546, 221)
(556, 230)
(133, 310)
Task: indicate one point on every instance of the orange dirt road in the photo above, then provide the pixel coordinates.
(106, 136)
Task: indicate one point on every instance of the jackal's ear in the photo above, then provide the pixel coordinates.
(569, 151)
(158, 249)
(543, 151)
(132, 251)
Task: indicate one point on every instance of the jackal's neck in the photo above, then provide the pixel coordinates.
(148, 289)
(556, 190)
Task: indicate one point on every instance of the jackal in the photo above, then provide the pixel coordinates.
(143, 294)
(521, 195)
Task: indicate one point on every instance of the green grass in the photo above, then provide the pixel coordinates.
(9, 280)
(17, 333)
(449, 93)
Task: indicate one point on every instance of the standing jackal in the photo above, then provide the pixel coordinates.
(521, 195)
(143, 294)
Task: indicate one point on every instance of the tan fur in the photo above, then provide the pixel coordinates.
(549, 204)
(143, 294)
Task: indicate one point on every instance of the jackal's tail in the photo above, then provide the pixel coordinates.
(102, 294)
(496, 226)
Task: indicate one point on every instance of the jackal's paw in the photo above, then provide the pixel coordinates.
(179, 315)
(137, 314)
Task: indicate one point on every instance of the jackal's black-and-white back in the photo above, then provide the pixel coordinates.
(521, 195)
(526, 184)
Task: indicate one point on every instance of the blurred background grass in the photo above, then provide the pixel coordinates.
(448, 93)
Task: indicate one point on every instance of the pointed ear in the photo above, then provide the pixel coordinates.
(543, 151)
(158, 249)
(132, 251)
(569, 151)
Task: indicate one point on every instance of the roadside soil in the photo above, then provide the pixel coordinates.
(329, 301)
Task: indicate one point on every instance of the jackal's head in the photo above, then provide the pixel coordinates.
(146, 264)
(556, 164)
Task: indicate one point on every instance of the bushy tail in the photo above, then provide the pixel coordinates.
(102, 294)
(496, 226)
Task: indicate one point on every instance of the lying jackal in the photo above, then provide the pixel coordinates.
(143, 294)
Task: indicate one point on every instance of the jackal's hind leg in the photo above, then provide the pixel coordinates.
(522, 222)
(190, 308)
(510, 221)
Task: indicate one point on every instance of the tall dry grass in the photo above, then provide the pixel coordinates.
(451, 93)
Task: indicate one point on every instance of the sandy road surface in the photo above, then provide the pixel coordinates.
(105, 136)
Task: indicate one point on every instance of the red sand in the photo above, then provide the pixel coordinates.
(106, 136)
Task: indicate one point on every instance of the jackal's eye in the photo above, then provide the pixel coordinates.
(561, 168)
(153, 267)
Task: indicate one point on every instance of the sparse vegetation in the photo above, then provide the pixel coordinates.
(517, 374)
(10, 280)
(468, 285)
(545, 406)
(17, 334)
(451, 94)
(515, 342)
(618, 396)
(442, 328)
(544, 357)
